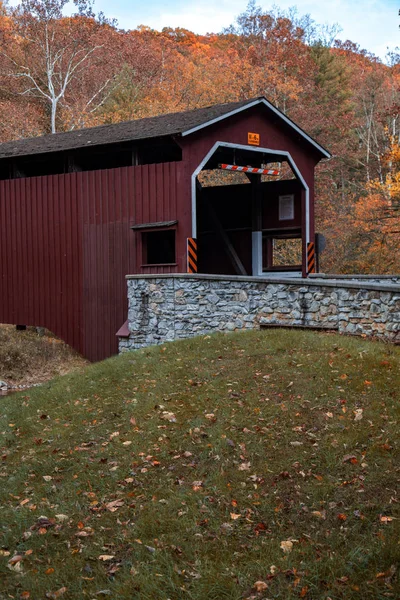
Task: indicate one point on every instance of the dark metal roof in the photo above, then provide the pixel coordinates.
(184, 123)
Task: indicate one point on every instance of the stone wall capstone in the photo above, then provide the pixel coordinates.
(171, 307)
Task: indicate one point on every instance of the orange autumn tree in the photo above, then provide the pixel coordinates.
(373, 243)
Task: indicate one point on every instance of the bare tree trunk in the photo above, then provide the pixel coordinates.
(53, 115)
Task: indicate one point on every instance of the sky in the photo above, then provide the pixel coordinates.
(373, 24)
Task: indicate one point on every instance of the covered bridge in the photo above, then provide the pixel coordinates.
(81, 210)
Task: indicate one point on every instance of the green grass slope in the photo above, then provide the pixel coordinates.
(259, 465)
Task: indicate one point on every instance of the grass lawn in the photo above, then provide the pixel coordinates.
(256, 465)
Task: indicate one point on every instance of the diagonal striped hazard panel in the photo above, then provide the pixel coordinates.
(311, 257)
(191, 255)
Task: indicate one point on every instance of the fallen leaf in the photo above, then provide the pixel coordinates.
(287, 546)
(244, 466)
(260, 586)
(260, 527)
(349, 458)
(342, 517)
(15, 559)
(114, 505)
(49, 571)
(319, 514)
(358, 414)
(57, 594)
(197, 485)
(168, 416)
(16, 567)
(384, 519)
(106, 556)
(235, 516)
(62, 517)
(47, 477)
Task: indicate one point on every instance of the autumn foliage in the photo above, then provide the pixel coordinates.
(63, 73)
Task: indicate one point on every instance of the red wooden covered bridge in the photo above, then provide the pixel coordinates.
(81, 210)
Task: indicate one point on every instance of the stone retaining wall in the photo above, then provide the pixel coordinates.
(170, 307)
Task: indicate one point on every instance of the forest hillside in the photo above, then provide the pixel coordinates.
(59, 73)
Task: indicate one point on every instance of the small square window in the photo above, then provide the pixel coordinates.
(159, 247)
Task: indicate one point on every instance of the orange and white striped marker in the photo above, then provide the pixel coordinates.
(248, 170)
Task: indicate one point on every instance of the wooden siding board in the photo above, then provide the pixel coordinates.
(66, 246)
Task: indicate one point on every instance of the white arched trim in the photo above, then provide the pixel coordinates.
(253, 149)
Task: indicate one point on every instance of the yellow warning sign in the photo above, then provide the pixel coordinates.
(253, 139)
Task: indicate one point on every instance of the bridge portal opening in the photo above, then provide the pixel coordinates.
(250, 213)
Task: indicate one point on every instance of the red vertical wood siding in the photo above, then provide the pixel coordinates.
(66, 245)
(40, 255)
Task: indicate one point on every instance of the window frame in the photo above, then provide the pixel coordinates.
(268, 256)
(144, 246)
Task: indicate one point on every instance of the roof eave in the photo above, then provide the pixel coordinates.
(280, 114)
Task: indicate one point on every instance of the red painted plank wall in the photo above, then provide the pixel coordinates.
(66, 246)
(40, 255)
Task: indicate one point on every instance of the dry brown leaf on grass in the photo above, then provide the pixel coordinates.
(244, 466)
(15, 563)
(350, 458)
(62, 517)
(319, 514)
(114, 505)
(197, 485)
(287, 545)
(105, 557)
(56, 594)
(260, 586)
(386, 520)
(168, 416)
